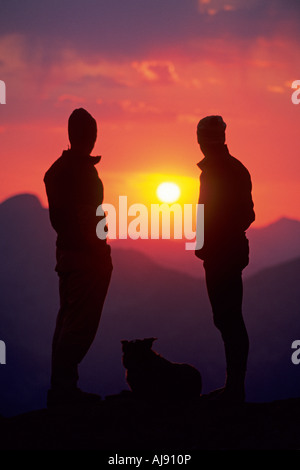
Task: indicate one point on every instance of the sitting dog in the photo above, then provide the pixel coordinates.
(149, 375)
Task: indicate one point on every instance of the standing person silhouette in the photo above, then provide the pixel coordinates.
(84, 265)
(225, 191)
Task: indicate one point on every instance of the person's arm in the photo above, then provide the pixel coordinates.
(246, 214)
(91, 198)
(200, 252)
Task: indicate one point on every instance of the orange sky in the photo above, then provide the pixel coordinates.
(148, 99)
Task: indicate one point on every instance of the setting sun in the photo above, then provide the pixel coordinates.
(168, 192)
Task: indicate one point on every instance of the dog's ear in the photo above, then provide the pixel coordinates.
(149, 341)
(124, 343)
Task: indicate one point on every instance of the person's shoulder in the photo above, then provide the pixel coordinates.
(55, 169)
(238, 166)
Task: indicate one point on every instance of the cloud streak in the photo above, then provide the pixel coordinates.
(148, 71)
(119, 29)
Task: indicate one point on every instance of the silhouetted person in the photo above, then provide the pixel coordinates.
(84, 264)
(225, 191)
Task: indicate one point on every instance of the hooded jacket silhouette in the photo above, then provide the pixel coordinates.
(84, 265)
(228, 208)
(225, 191)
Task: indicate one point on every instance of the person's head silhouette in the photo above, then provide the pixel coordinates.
(82, 130)
(211, 134)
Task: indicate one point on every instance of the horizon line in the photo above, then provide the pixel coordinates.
(253, 225)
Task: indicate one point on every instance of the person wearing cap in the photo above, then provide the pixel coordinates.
(225, 191)
(84, 265)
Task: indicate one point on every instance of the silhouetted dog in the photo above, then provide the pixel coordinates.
(150, 375)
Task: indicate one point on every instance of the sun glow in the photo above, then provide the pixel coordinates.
(168, 192)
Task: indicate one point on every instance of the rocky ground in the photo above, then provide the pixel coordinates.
(122, 423)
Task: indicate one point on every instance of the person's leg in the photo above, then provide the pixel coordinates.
(235, 336)
(225, 290)
(82, 295)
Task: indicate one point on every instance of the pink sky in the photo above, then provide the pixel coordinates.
(147, 88)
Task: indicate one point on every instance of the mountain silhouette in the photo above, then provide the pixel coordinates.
(270, 245)
(274, 244)
(145, 299)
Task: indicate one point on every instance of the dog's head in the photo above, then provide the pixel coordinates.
(135, 351)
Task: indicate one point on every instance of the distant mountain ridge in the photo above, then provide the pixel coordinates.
(270, 245)
(273, 244)
(145, 299)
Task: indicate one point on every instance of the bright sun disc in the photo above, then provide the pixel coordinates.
(168, 192)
